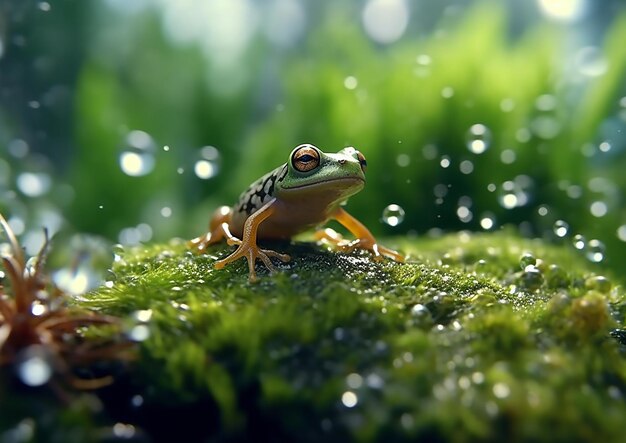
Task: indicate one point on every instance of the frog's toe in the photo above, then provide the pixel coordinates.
(282, 257)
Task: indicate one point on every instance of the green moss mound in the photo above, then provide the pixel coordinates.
(475, 338)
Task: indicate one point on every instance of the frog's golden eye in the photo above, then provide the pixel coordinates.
(305, 158)
(362, 160)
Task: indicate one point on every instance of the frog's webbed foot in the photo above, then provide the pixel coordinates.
(367, 243)
(251, 252)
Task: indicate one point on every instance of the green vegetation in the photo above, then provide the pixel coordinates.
(458, 344)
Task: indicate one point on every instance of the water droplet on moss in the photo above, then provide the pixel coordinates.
(531, 278)
(526, 260)
(598, 283)
(556, 277)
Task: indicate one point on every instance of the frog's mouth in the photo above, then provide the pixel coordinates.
(335, 183)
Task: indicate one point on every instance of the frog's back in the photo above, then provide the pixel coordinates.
(258, 194)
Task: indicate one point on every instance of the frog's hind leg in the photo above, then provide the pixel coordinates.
(218, 230)
(364, 238)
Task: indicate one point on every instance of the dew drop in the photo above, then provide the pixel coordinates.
(598, 209)
(75, 281)
(598, 283)
(137, 156)
(556, 277)
(579, 242)
(526, 260)
(591, 62)
(560, 228)
(393, 215)
(349, 399)
(621, 233)
(354, 381)
(350, 82)
(501, 390)
(143, 315)
(33, 184)
(532, 278)
(139, 333)
(385, 21)
(419, 310)
(478, 138)
(208, 165)
(466, 167)
(34, 368)
(595, 251)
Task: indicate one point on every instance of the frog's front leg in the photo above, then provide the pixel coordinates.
(247, 247)
(364, 238)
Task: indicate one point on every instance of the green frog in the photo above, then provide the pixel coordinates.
(302, 194)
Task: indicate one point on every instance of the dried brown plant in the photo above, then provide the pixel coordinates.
(35, 315)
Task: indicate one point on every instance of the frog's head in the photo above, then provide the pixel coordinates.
(311, 170)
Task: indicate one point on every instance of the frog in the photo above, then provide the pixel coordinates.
(304, 193)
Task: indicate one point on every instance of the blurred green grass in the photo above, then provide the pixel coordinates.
(406, 106)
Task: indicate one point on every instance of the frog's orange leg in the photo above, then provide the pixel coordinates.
(247, 246)
(364, 238)
(218, 229)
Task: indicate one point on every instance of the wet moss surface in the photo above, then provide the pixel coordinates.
(476, 338)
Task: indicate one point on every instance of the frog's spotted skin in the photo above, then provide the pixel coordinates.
(305, 192)
(261, 191)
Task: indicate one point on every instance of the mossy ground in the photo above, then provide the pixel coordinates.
(458, 344)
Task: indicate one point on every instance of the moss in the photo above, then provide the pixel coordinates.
(458, 344)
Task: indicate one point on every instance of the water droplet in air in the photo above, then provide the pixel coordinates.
(560, 228)
(598, 209)
(18, 148)
(393, 215)
(487, 221)
(75, 281)
(349, 399)
(591, 62)
(385, 20)
(579, 242)
(137, 157)
(350, 82)
(595, 251)
(208, 164)
(33, 184)
(478, 138)
(621, 233)
(139, 333)
(33, 367)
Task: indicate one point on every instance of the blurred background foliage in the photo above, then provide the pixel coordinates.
(133, 120)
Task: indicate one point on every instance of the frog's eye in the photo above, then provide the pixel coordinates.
(362, 160)
(305, 158)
